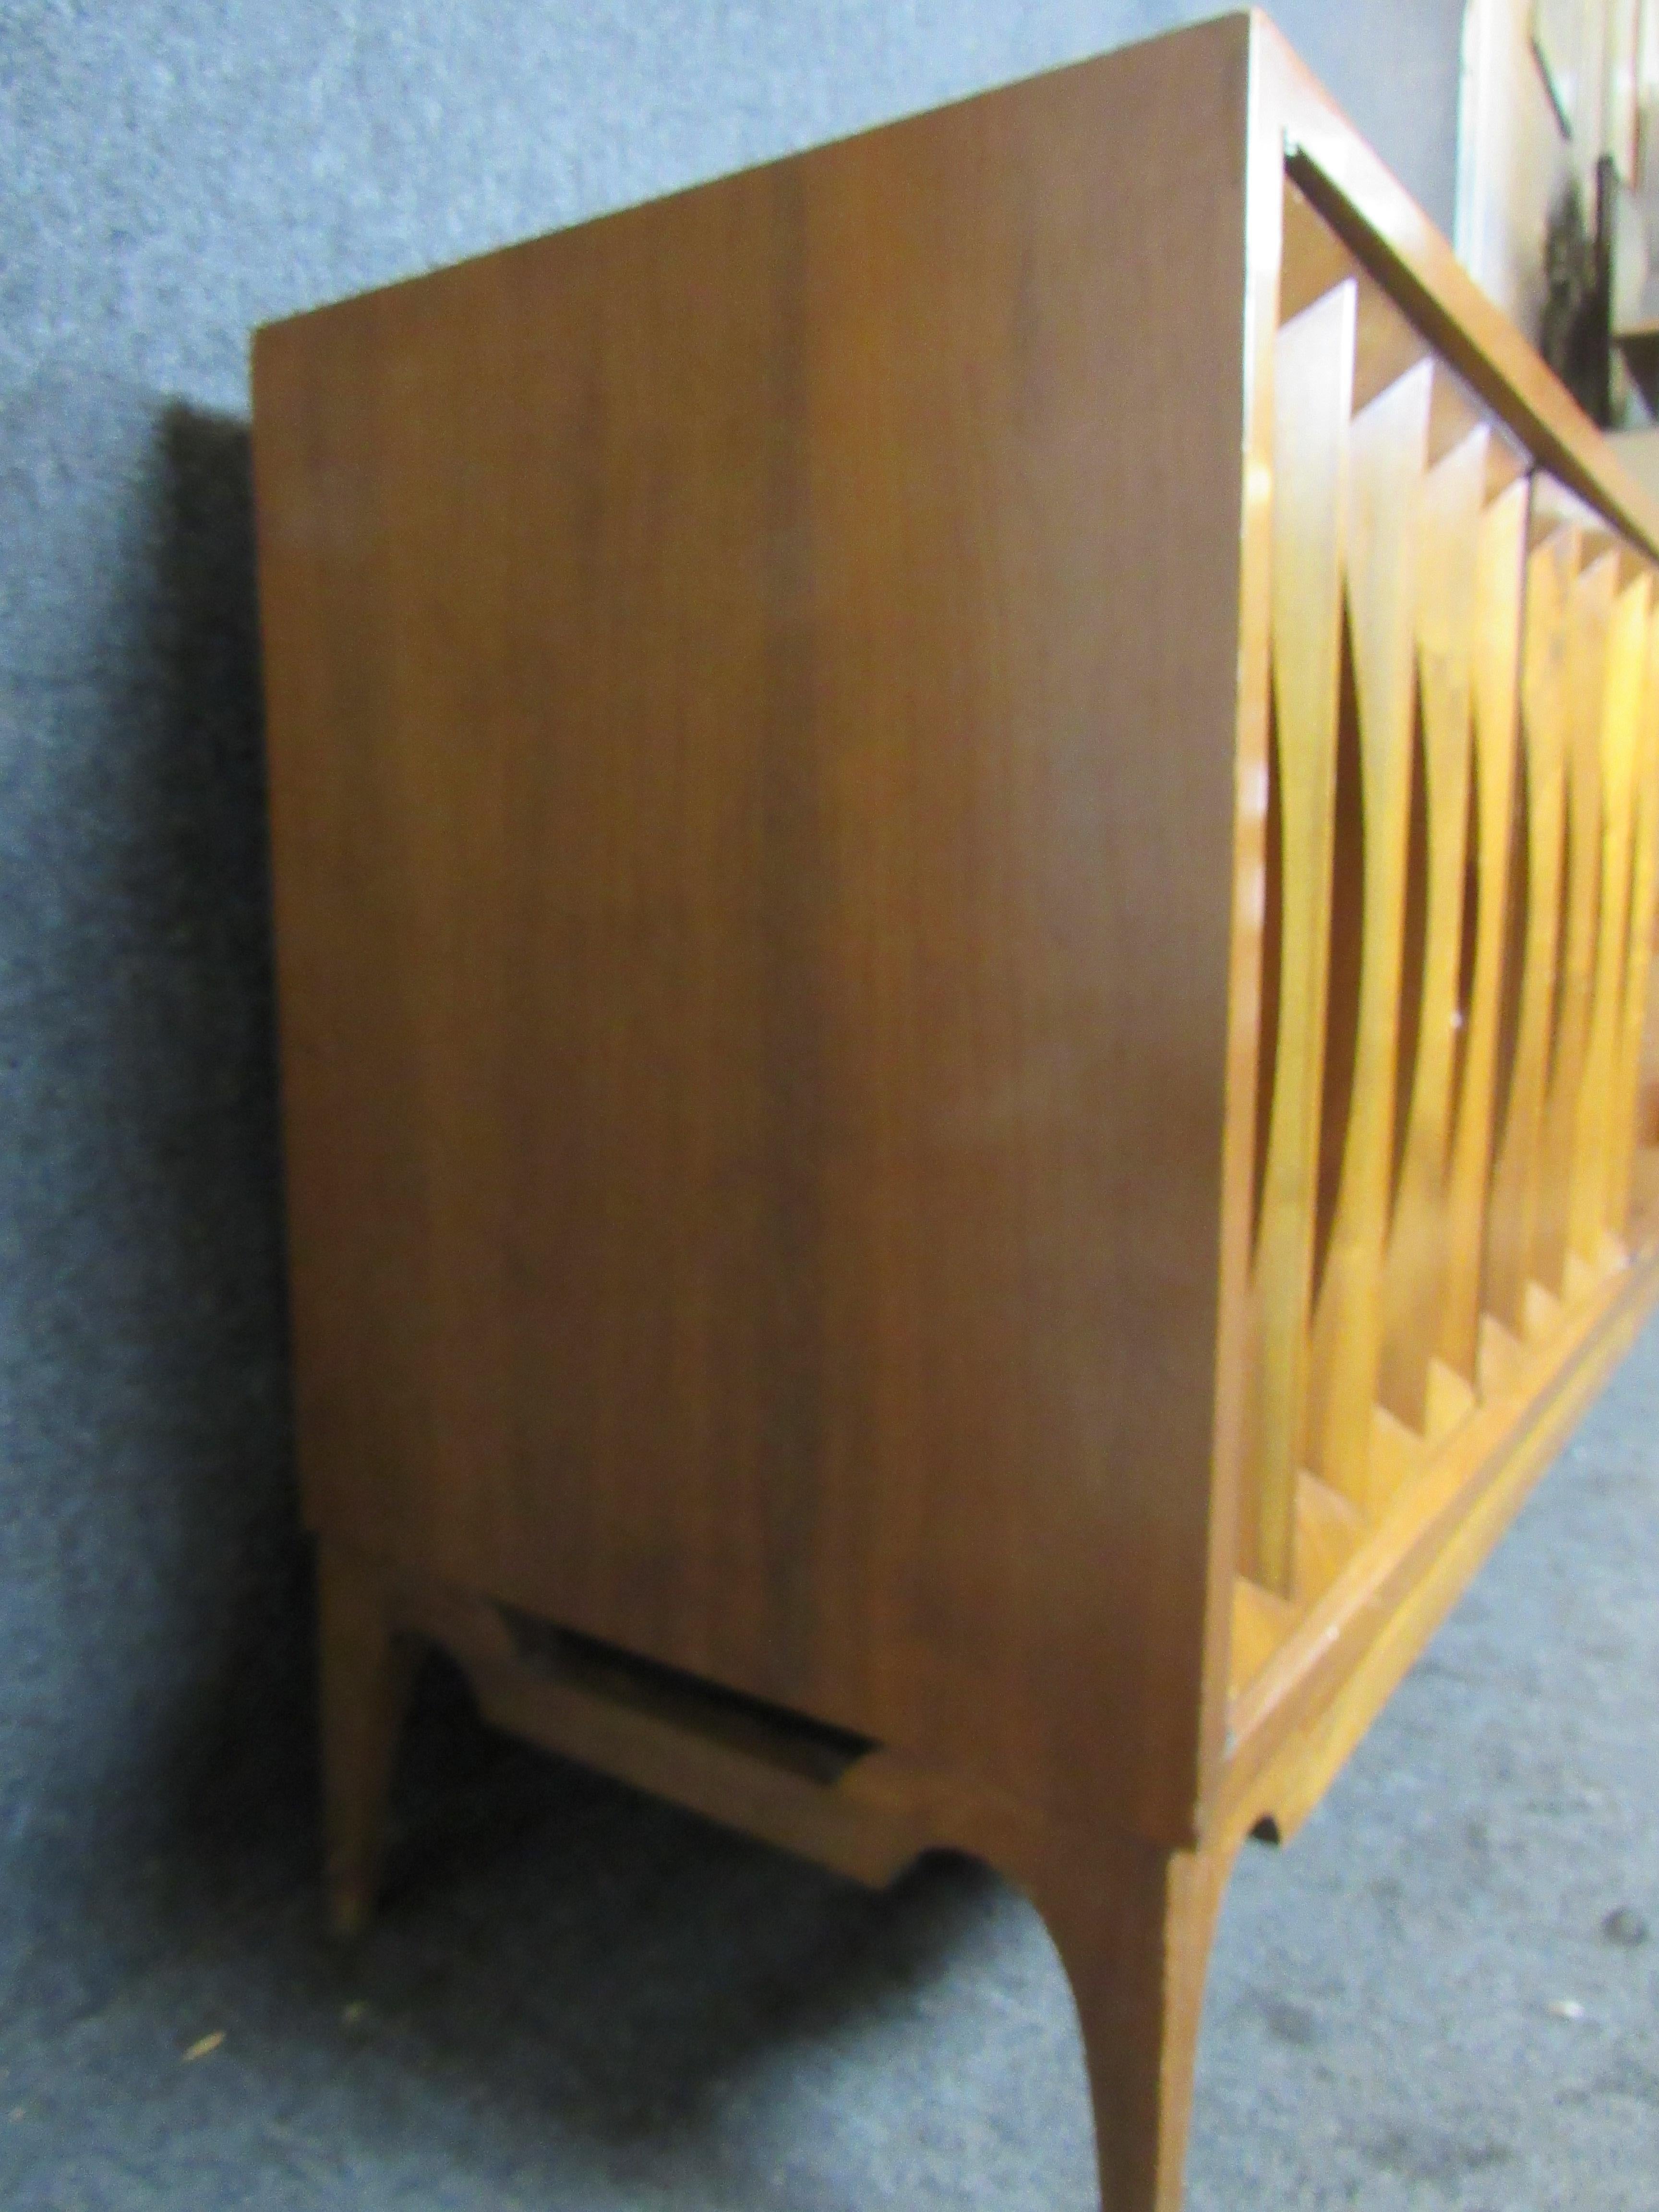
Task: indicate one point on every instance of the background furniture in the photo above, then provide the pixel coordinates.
(960, 1092)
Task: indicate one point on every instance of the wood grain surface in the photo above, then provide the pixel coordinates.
(966, 844)
(1590, 610)
(1635, 1016)
(1313, 372)
(752, 688)
(1494, 704)
(1536, 917)
(1419, 1252)
(1388, 444)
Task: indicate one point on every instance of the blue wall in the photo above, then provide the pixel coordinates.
(171, 175)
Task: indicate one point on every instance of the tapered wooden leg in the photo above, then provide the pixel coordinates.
(1133, 1925)
(367, 1667)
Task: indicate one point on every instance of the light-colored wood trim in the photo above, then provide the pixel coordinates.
(1419, 1252)
(1297, 1722)
(1234, 1502)
(1512, 1214)
(1589, 610)
(1261, 1621)
(1643, 906)
(1386, 464)
(1591, 1217)
(1313, 373)
(1497, 672)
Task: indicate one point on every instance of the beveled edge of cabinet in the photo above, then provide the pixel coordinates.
(1388, 232)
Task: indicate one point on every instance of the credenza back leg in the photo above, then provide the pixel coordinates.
(1133, 1925)
(367, 1667)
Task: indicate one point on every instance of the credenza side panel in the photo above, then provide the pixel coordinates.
(752, 690)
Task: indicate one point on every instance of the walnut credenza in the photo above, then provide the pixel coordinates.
(964, 842)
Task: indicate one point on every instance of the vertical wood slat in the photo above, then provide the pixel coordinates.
(1590, 1226)
(1313, 373)
(1471, 974)
(1387, 452)
(1314, 261)
(1512, 1213)
(1590, 611)
(1416, 1261)
(1501, 567)
(1644, 898)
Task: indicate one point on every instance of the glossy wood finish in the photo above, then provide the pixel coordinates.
(1634, 1017)
(1535, 914)
(1589, 612)
(1439, 855)
(1388, 441)
(1313, 372)
(1300, 1713)
(753, 818)
(1480, 919)
(1494, 705)
(966, 840)
(1597, 1231)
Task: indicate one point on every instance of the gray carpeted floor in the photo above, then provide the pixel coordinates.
(1445, 1993)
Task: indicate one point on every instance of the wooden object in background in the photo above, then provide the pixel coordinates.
(965, 843)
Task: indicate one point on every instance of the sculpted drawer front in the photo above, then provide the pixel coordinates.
(1456, 894)
(965, 836)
